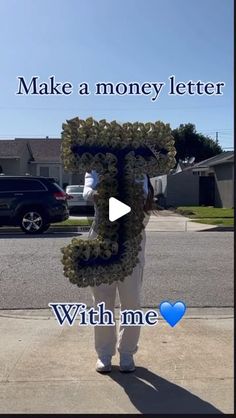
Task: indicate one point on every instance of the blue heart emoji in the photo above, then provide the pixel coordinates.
(172, 313)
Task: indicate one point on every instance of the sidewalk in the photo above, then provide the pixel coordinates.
(45, 368)
(168, 221)
(156, 223)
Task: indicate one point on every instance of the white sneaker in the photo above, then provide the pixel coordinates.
(127, 364)
(103, 364)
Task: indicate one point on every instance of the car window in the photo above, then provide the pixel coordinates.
(58, 187)
(14, 185)
(75, 189)
(5, 185)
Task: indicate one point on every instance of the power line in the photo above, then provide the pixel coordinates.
(217, 130)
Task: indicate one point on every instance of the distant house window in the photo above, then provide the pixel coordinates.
(44, 171)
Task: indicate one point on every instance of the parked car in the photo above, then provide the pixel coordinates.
(76, 200)
(32, 203)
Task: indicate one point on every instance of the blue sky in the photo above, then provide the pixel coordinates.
(111, 40)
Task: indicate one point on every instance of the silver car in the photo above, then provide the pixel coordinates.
(75, 197)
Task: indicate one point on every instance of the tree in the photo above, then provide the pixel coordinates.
(190, 143)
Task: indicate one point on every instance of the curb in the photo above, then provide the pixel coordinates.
(14, 230)
(78, 228)
(86, 228)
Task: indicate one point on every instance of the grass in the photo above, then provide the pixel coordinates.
(208, 215)
(205, 212)
(75, 222)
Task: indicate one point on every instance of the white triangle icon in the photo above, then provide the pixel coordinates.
(117, 209)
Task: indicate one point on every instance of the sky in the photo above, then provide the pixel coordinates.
(115, 41)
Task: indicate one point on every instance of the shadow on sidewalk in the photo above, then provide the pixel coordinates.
(218, 229)
(150, 393)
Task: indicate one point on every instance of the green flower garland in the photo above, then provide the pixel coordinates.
(120, 154)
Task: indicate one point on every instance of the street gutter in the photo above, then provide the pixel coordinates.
(86, 228)
(66, 228)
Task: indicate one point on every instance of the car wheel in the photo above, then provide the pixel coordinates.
(32, 222)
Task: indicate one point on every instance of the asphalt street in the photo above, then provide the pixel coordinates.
(196, 267)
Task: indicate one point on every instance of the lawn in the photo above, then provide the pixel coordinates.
(75, 222)
(208, 215)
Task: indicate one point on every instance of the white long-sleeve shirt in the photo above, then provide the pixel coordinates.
(91, 182)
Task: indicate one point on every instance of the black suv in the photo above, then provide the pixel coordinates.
(31, 203)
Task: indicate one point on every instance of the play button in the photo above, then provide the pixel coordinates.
(117, 209)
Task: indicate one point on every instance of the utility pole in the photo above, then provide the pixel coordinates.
(217, 141)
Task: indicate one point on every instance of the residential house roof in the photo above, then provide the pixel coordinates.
(42, 149)
(45, 150)
(49, 150)
(10, 148)
(224, 157)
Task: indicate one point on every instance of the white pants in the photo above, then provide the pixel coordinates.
(129, 294)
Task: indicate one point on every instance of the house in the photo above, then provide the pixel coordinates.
(13, 155)
(37, 157)
(159, 183)
(209, 183)
(216, 180)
